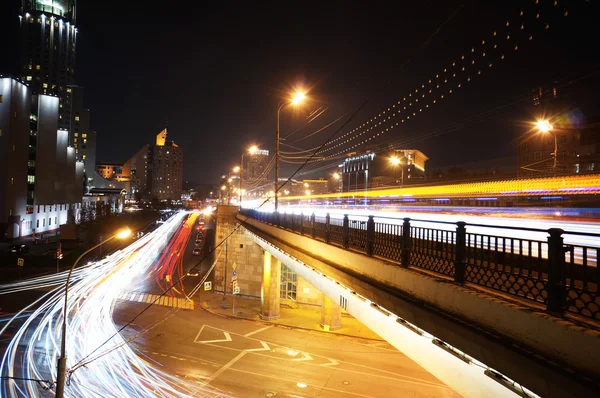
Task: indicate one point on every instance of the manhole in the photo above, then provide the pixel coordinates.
(269, 394)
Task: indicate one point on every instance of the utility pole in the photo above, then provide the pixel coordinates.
(224, 302)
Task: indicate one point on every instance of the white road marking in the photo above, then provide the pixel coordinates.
(226, 366)
(265, 347)
(227, 336)
(258, 331)
(332, 362)
(305, 357)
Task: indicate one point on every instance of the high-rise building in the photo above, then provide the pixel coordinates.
(44, 59)
(157, 170)
(254, 171)
(47, 48)
(41, 183)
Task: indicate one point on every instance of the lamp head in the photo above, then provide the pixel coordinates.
(298, 98)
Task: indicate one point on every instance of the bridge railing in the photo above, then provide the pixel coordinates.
(561, 276)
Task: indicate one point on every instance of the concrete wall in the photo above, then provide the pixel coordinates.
(241, 250)
(499, 332)
(306, 294)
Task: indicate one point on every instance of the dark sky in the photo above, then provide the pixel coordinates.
(217, 70)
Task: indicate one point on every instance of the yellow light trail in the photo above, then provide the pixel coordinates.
(571, 185)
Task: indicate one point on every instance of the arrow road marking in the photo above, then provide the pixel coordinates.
(265, 347)
(305, 357)
(227, 337)
(332, 362)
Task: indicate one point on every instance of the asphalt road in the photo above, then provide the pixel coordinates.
(253, 359)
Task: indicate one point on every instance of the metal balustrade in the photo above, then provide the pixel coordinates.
(561, 276)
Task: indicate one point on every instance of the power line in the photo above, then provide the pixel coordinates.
(376, 91)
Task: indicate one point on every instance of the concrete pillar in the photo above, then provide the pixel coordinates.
(269, 292)
(331, 314)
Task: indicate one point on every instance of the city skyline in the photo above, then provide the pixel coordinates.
(315, 58)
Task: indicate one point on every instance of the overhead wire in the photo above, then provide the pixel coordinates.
(352, 116)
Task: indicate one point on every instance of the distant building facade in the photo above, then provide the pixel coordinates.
(255, 174)
(371, 169)
(156, 171)
(112, 171)
(41, 182)
(576, 141)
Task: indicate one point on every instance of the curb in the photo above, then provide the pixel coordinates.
(207, 309)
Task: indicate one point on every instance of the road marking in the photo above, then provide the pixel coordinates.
(227, 337)
(265, 347)
(158, 300)
(305, 357)
(258, 331)
(226, 366)
(332, 362)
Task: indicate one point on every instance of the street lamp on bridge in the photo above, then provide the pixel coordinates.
(296, 100)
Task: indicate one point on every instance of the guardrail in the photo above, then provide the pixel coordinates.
(562, 276)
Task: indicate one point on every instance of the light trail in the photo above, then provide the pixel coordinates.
(115, 370)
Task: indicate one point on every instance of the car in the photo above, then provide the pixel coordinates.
(18, 249)
(197, 251)
(198, 242)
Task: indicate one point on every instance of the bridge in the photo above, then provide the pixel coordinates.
(490, 311)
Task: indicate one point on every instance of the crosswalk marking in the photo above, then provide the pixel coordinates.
(148, 298)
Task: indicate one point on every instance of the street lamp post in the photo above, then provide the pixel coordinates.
(62, 360)
(396, 162)
(252, 150)
(298, 98)
(545, 127)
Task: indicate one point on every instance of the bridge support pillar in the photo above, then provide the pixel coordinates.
(269, 292)
(331, 314)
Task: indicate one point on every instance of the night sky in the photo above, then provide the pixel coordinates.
(216, 72)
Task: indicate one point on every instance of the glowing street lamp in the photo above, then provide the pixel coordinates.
(252, 150)
(236, 169)
(298, 98)
(62, 360)
(544, 127)
(336, 176)
(395, 161)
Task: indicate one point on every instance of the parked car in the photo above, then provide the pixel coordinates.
(198, 242)
(18, 249)
(197, 251)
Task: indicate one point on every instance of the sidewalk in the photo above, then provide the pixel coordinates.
(299, 318)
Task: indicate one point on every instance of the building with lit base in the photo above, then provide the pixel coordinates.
(372, 169)
(41, 182)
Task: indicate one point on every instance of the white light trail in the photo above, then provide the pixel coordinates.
(113, 371)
